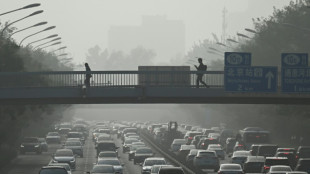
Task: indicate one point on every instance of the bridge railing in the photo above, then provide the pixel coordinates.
(109, 79)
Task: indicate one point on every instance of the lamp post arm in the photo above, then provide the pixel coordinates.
(2, 31)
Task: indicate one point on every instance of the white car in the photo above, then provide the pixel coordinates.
(150, 162)
(65, 165)
(118, 166)
(53, 137)
(230, 168)
(279, 169)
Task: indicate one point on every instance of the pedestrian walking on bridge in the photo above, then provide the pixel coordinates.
(200, 68)
(88, 75)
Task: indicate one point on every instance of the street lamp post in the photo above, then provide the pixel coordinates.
(47, 42)
(36, 25)
(251, 30)
(25, 7)
(243, 35)
(48, 37)
(32, 14)
(231, 40)
(46, 29)
(64, 54)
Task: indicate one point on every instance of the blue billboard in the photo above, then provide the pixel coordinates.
(251, 79)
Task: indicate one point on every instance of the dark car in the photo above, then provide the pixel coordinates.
(229, 145)
(254, 149)
(75, 146)
(141, 154)
(76, 135)
(191, 155)
(105, 146)
(183, 152)
(303, 164)
(303, 152)
(196, 139)
(254, 164)
(190, 135)
(204, 143)
(290, 156)
(53, 170)
(53, 137)
(170, 170)
(267, 150)
(31, 144)
(272, 161)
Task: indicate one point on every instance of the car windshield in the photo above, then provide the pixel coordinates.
(131, 141)
(109, 162)
(66, 166)
(107, 146)
(154, 162)
(155, 169)
(73, 143)
(74, 135)
(107, 154)
(182, 141)
(280, 168)
(53, 171)
(103, 169)
(52, 134)
(64, 153)
(231, 167)
(144, 151)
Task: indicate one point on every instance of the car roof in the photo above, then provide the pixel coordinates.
(155, 158)
(276, 158)
(52, 167)
(255, 159)
(62, 150)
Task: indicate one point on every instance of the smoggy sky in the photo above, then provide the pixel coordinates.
(85, 23)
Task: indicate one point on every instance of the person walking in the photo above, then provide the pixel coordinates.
(200, 68)
(88, 75)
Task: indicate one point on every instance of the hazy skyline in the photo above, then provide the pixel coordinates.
(84, 24)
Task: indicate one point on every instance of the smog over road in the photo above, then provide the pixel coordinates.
(154, 86)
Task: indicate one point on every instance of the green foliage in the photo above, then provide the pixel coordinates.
(25, 120)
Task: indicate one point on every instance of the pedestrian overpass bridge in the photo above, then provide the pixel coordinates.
(129, 87)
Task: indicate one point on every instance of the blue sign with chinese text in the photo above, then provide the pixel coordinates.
(295, 80)
(237, 59)
(251, 79)
(294, 60)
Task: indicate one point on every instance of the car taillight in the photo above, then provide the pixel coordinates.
(190, 138)
(266, 167)
(219, 172)
(286, 153)
(296, 156)
(203, 144)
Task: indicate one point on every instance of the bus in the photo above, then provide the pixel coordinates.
(253, 135)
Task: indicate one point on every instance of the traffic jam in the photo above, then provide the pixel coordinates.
(164, 148)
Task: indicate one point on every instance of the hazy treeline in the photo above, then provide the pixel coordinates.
(17, 121)
(286, 30)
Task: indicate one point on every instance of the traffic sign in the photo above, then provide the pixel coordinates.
(294, 60)
(295, 80)
(251, 79)
(237, 59)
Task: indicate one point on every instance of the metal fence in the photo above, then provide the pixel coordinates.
(110, 79)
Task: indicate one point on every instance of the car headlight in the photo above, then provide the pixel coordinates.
(36, 146)
(21, 145)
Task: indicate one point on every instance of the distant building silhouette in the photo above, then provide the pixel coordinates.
(165, 37)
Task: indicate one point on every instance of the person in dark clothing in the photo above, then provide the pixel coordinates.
(201, 67)
(88, 75)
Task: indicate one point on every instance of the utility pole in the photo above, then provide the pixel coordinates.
(224, 25)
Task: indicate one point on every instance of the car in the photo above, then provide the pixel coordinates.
(254, 149)
(303, 152)
(65, 165)
(290, 156)
(239, 146)
(218, 149)
(207, 131)
(184, 150)
(191, 155)
(149, 162)
(105, 146)
(176, 144)
(155, 168)
(267, 150)
(226, 133)
(53, 137)
(43, 144)
(204, 142)
(279, 169)
(239, 157)
(30, 144)
(53, 170)
(230, 168)
(190, 135)
(141, 154)
(303, 164)
(127, 144)
(293, 150)
(75, 146)
(170, 170)
(254, 164)
(296, 172)
(118, 166)
(102, 169)
(76, 135)
(206, 160)
(133, 149)
(196, 139)
(64, 156)
(107, 154)
(272, 161)
(103, 137)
